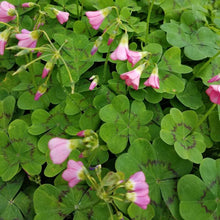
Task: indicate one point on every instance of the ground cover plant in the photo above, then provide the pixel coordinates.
(110, 109)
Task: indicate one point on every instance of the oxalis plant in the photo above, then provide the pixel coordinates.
(110, 109)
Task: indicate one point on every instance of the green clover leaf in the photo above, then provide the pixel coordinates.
(124, 122)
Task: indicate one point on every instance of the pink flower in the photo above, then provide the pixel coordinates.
(138, 190)
(60, 149)
(136, 182)
(132, 78)
(214, 93)
(7, 12)
(3, 40)
(135, 56)
(153, 80)
(74, 172)
(62, 16)
(121, 51)
(139, 197)
(96, 17)
(2, 46)
(94, 82)
(27, 38)
(28, 4)
(215, 78)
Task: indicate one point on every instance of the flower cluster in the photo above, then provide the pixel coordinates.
(27, 40)
(137, 189)
(122, 52)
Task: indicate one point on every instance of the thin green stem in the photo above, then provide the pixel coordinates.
(17, 17)
(32, 71)
(116, 9)
(116, 198)
(49, 75)
(48, 39)
(6, 24)
(205, 65)
(92, 157)
(60, 77)
(148, 21)
(106, 64)
(110, 211)
(72, 83)
(66, 41)
(38, 21)
(77, 8)
(82, 4)
(39, 58)
(204, 117)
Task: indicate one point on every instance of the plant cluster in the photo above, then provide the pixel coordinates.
(109, 109)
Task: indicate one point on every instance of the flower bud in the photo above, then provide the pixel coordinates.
(48, 67)
(41, 90)
(96, 45)
(112, 37)
(3, 40)
(20, 69)
(28, 4)
(94, 83)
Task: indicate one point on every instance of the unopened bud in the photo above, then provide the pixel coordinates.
(41, 90)
(20, 69)
(96, 45)
(112, 37)
(94, 83)
(111, 179)
(28, 4)
(48, 67)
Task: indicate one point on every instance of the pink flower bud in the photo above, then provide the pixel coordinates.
(3, 40)
(215, 78)
(94, 82)
(48, 67)
(41, 90)
(96, 45)
(39, 54)
(81, 133)
(112, 37)
(28, 4)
